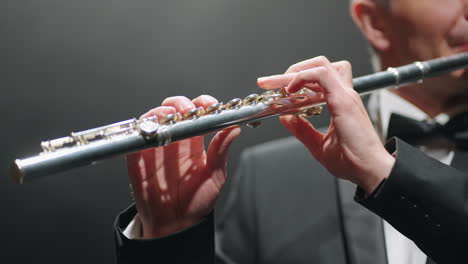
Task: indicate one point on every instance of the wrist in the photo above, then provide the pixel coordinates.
(380, 170)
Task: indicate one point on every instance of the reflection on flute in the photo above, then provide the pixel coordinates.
(86, 147)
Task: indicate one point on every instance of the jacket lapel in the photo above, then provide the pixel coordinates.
(460, 161)
(363, 230)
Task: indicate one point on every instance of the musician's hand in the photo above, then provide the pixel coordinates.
(176, 186)
(351, 148)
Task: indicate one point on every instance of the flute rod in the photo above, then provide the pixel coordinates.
(92, 145)
(410, 73)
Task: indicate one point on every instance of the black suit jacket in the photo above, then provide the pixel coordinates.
(284, 207)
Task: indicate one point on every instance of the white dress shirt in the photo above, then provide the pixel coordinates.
(400, 250)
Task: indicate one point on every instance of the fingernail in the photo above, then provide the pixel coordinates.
(261, 79)
(236, 130)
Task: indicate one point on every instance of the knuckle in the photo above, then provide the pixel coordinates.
(322, 71)
(293, 68)
(302, 75)
(346, 65)
(174, 99)
(205, 99)
(306, 75)
(205, 96)
(208, 97)
(322, 60)
(200, 98)
(168, 100)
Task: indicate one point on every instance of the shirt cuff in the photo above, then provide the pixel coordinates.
(134, 230)
(194, 244)
(361, 196)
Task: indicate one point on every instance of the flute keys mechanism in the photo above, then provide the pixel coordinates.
(251, 99)
(254, 124)
(283, 92)
(171, 118)
(52, 145)
(88, 146)
(148, 128)
(267, 93)
(194, 113)
(310, 111)
(233, 104)
(214, 108)
(269, 96)
(150, 118)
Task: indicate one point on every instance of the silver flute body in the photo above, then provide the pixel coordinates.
(89, 146)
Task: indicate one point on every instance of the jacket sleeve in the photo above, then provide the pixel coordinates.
(192, 245)
(425, 200)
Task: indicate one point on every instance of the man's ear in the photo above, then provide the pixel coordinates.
(372, 20)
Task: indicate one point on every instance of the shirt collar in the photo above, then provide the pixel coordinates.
(383, 103)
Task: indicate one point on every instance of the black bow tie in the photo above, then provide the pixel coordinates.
(413, 131)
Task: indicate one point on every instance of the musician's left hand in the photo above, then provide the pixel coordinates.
(351, 148)
(175, 186)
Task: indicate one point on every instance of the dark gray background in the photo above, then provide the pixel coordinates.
(72, 65)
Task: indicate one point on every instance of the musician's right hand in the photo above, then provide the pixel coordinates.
(350, 149)
(175, 186)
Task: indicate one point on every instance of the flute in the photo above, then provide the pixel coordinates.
(89, 146)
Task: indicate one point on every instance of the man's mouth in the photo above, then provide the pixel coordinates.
(463, 47)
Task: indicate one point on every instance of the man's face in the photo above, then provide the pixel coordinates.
(422, 30)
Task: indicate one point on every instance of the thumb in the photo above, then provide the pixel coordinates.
(304, 131)
(218, 150)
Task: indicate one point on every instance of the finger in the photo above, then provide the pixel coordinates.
(137, 172)
(314, 87)
(279, 81)
(190, 147)
(160, 112)
(204, 101)
(275, 81)
(303, 78)
(325, 77)
(344, 69)
(135, 167)
(336, 71)
(219, 147)
(304, 131)
(282, 80)
(308, 64)
(137, 164)
(218, 152)
(181, 103)
(341, 98)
